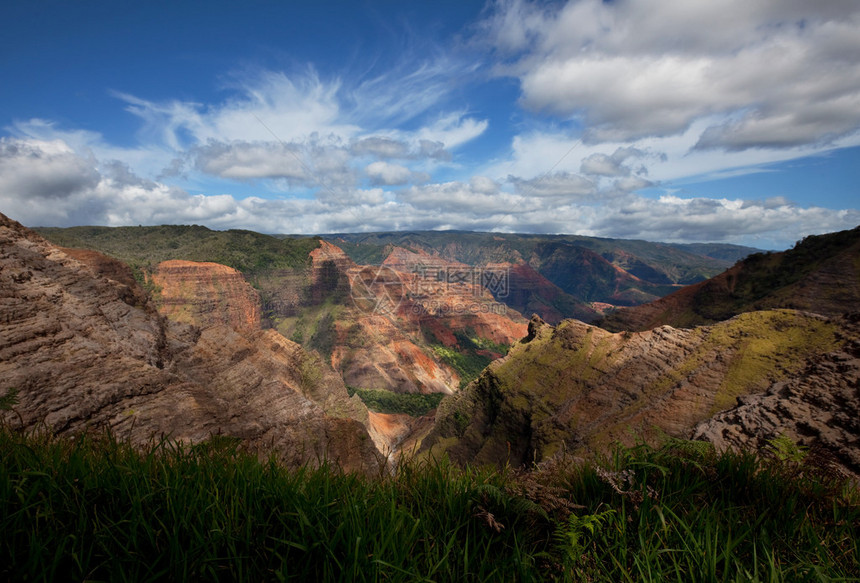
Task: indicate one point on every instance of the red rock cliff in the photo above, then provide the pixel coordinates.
(206, 294)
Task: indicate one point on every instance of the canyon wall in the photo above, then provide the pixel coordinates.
(80, 350)
(206, 294)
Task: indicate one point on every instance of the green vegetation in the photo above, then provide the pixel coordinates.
(764, 347)
(466, 362)
(145, 247)
(314, 327)
(767, 279)
(471, 356)
(382, 401)
(93, 508)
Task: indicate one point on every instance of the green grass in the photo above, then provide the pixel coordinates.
(96, 509)
(466, 361)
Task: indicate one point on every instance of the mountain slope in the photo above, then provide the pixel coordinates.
(817, 408)
(580, 388)
(206, 294)
(405, 325)
(820, 274)
(437, 338)
(81, 350)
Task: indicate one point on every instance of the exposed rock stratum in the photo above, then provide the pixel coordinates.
(84, 348)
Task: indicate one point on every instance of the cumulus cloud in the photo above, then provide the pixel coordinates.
(671, 218)
(386, 173)
(380, 147)
(244, 160)
(633, 69)
(307, 165)
(483, 185)
(598, 164)
(476, 198)
(43, 170)
(48, 184)
(559, 184)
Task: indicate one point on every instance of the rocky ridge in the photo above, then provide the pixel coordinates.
(565, 276)
(819, 408)
(389, 316)
(81, 351)
(578, 388)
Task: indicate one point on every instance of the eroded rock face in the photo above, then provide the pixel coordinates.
(206, 294)
(374, 353)
(82, 353)
(818, 408)
(393, 313)
(579, 388)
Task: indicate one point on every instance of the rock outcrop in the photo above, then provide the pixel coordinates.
(373, 352)
(579, 388)
(817, 408)
(206, 294)
(81, 352)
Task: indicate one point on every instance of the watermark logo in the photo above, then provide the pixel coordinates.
(381, 290)
(430, 280)
(377, 290)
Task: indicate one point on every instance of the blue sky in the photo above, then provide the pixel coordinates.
(728, 120)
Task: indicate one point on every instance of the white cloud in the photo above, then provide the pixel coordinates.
(559, 184)
(381, 147)
(483, 185)
(635, 69)
(475, 199)
(770, 223)
(304, 131)
(244, 160)
(268, 106)
(47, 184)
(453, 130)
(386, 173)
(599, 164)
(43, 170)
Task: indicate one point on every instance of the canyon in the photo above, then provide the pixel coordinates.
(765, 349)
(82, 348)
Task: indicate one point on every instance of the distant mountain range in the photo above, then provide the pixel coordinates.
(555, 276)
(819, 274)
(561, 276)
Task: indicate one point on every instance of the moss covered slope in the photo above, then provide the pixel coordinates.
(581, 388)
